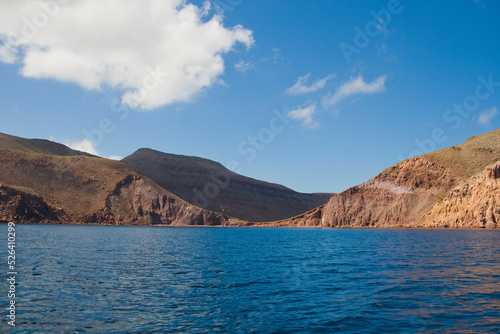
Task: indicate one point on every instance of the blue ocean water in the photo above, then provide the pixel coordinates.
(105, 279)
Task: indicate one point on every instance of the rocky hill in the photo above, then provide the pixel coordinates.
(65, 186)
(208, 184)
(454, 187)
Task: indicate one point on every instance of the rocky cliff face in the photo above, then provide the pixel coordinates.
(394, 198)
(136, 200)
(474, 203)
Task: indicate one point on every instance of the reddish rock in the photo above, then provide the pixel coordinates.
(455, 188)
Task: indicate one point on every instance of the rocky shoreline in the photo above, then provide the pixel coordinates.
(458, 187)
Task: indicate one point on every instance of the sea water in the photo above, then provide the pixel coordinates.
(107, 279)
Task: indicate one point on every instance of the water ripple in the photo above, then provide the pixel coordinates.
(86, 279)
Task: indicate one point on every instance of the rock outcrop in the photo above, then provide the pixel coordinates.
(16, 205)
(474, 203)
(136, 200)
(395, 198)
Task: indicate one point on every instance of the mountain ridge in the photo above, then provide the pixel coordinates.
(210, 185)
(43, 146)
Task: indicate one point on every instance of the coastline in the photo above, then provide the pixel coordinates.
(257, 226)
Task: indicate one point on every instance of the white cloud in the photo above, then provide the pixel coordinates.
(301, 86)
(156, 52)
(355, 87)
(84, 145)
(305, 114)
(242, 66)
(87, 146)
(487, 115)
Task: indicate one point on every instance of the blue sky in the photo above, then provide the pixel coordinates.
(315, 95)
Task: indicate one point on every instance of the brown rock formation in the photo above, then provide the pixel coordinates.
(473, 203)
(16, 205)
(454, 187)
(394, 198)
